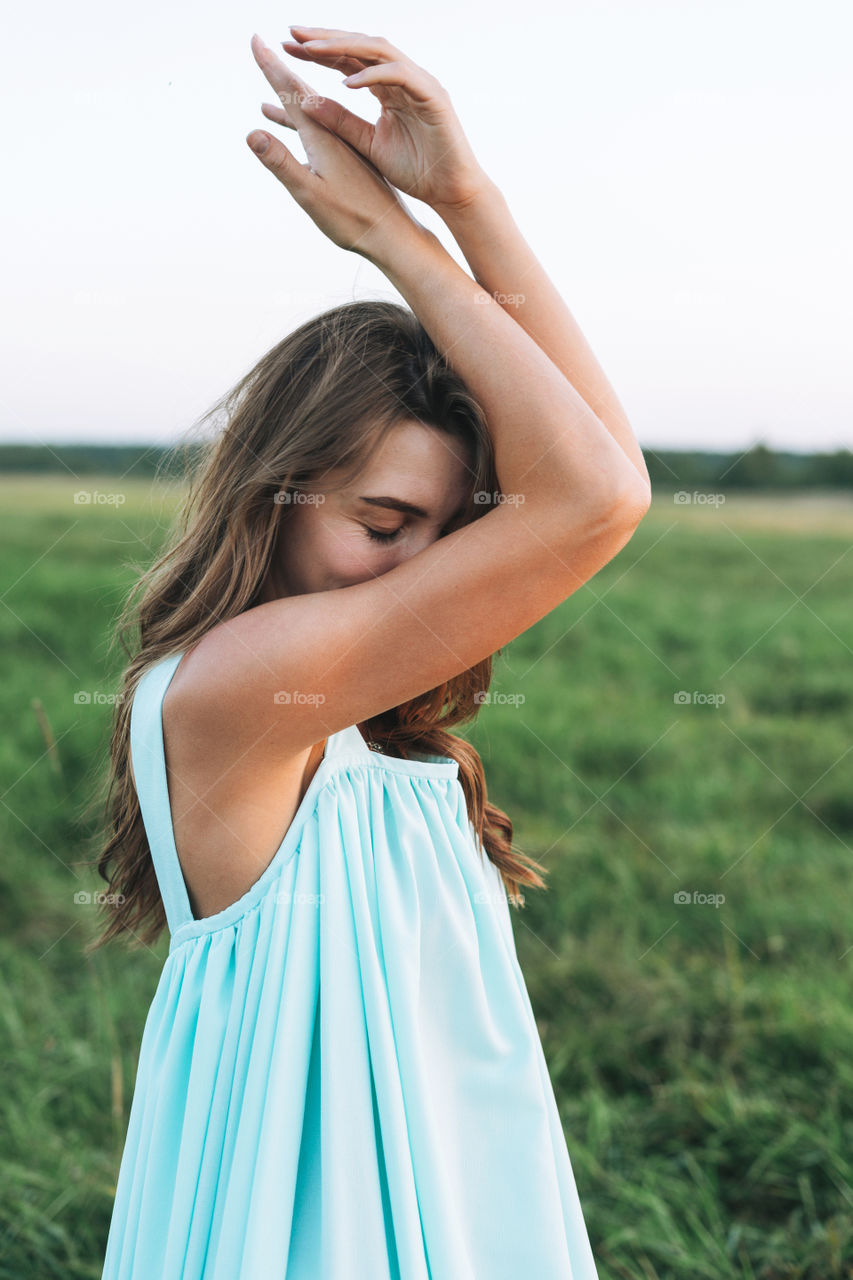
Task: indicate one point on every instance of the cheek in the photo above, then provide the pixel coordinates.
(345, 549)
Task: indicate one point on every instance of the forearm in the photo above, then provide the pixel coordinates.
(548, 442)
(505, 266)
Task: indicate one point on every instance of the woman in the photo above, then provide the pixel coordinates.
(340, 1074)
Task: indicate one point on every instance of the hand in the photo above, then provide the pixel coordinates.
(343, 193)
(417, 143)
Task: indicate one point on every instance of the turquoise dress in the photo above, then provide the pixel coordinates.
(340, 1075)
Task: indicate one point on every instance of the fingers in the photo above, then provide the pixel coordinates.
(318, 34)
(413, 80)
(351, 128)
(331, 115)
(276, 157)
(337, 63)
(355, 54)
(352, 44)
(368, 60)
(278, 114)
(289, 89)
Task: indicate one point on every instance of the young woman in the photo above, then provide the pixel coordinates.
(340, 1075)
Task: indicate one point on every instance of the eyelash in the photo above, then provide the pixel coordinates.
(376, 536)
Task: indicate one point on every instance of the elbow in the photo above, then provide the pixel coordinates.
(631, 501)
(642, 499)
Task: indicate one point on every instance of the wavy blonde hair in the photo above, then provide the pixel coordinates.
(322, 399)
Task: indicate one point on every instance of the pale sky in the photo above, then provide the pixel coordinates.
(682, 170)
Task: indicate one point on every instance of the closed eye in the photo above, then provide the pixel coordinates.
(377, 536)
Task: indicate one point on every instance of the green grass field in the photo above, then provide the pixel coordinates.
(700, 1050)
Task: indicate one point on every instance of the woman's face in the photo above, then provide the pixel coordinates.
(335, 536)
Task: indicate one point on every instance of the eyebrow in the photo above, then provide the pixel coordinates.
(408, 508)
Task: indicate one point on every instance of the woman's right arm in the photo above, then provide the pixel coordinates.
(574, 500)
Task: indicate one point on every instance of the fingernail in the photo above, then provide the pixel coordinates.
(259, 143)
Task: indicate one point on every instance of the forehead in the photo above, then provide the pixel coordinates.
(421, 464)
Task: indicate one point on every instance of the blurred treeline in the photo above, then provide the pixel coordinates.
(756, 468)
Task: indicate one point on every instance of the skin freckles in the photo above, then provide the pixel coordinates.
(325, 544)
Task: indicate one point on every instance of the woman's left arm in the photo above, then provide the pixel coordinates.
(419, 146)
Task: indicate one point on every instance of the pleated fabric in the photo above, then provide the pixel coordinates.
(340, 1075)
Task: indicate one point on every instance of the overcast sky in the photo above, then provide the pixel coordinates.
(682, 169)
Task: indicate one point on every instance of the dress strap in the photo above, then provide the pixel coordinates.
(148, 753)
(346, 742)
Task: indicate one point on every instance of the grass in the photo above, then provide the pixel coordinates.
(699, 1050)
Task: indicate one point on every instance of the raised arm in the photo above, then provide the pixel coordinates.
(374, 645)
(544, 432)
(420, 147)
(365, 648)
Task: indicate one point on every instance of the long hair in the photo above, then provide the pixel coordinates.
(322, 399)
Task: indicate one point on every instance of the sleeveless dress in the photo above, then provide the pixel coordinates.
(340, 1075)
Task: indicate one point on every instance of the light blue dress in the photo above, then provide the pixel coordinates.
(340, 1075)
